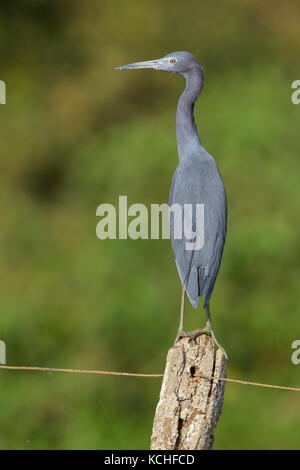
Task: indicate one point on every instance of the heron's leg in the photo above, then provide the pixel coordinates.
(181, 333)
(209, 326)
(182, 308)
(209, 330)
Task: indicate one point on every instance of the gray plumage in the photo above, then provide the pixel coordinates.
(197, 180)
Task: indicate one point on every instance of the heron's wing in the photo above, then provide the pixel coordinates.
(198, 181)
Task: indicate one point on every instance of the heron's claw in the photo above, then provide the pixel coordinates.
(198, 332)
(191, 334)
(183, 334)
(208, 331)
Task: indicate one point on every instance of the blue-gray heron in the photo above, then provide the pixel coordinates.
(196, 181)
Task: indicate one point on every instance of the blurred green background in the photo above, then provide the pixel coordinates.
(75, 133)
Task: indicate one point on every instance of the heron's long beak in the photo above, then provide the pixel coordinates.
(149, 64)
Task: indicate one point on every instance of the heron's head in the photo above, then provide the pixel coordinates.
(177, 62)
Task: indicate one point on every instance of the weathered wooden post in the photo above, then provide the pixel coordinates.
(189, 406)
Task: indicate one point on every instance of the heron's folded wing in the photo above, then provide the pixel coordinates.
(199, 183)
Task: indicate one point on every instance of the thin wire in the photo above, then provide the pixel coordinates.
(243, 382)
(104, 372)
(78, 371)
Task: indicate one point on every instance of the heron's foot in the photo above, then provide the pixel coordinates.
(199, 332)
(208, 331)
(183, 334)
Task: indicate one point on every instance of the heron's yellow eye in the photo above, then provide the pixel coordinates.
(172, 61)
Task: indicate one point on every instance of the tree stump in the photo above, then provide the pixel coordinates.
(189, 406)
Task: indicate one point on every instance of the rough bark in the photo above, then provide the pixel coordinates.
(190, 406)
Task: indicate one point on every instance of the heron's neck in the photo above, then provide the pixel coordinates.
(186, 129)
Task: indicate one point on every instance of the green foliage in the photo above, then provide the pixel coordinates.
(74, 134)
